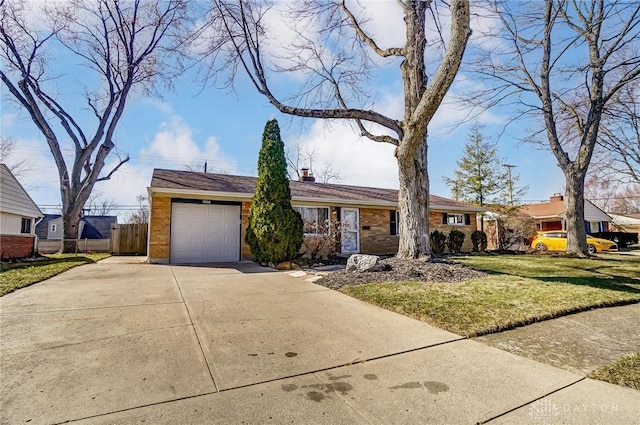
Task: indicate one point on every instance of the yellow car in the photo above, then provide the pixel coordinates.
(556, 240)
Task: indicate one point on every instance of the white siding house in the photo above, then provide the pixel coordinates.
(18, 214)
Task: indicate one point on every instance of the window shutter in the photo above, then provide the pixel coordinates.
(338, 214)
(393, 226)
(444, 218)
(467, 219)
(587, 227)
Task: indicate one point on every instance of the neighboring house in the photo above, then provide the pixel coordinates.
(94, 232)
(18, 214)
(551, 215)
(629, 223)
(200, 217)
(91, 227)
(50, 227)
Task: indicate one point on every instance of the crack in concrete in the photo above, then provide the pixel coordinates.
(530, 402)
(70, 344)
(195, 331)
(62, 310)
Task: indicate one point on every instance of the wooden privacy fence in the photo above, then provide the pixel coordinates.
(129, 239)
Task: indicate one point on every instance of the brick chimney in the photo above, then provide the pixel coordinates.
(307, 175)
(556, 198)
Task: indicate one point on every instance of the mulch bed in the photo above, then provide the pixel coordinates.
(402, 270)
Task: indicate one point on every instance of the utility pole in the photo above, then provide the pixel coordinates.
(510, 182)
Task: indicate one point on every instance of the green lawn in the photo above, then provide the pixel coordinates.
(625, 372)
(520, 289)
(18, 275)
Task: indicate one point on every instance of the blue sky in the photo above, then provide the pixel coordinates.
(191, 124)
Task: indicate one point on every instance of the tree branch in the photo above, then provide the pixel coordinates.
(385, 53)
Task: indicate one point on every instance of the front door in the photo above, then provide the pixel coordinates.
(350, 228)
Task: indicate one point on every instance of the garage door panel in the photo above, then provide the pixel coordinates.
(205, 233)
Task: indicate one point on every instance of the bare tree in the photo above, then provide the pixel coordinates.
(120, 45)
(96, 205)
(141, 215)
(197, 166)
(326, 174)
(297, 159)
(563, 62)
(619, 141)
(334, 51)
(628, 200)
(17, 166)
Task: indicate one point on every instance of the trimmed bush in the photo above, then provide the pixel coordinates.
(479, 241)
(455, 241)
(275, 230)
(438, 242)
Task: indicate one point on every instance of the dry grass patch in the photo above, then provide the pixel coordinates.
(625, 372)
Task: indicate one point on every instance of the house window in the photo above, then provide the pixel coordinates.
(456, 219)
(315, 220)
(394, 223)
(54, 227)
(25, 226)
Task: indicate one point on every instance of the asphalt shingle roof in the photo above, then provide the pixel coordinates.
(190, 180)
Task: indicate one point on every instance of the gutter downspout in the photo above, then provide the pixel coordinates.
(35, 237)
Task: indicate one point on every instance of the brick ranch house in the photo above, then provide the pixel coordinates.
(18, 216)
(203, 217)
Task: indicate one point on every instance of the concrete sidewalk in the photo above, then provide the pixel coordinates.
(579, 343)
(130, 343)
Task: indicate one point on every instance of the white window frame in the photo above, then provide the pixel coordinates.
(397, 224)
(455, 222)
(54, 227)
(299, 209)
(23, 224)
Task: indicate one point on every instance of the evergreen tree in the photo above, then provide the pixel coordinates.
(275, 230)
(481, 177)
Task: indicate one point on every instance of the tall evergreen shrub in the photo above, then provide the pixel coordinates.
(479, 241)
(455, 241)
(275, 230)
(438, 242)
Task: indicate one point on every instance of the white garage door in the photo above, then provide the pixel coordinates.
(203, 233)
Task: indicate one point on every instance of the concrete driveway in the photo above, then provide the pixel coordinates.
(118, 343)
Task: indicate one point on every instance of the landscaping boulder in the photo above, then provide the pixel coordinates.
(364, 263)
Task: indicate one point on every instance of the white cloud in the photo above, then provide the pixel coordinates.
(174, 143)
(359, 161)
(383, 19)
(173, 146)
(160, 105)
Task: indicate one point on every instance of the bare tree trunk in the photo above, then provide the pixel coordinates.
(574, 212)
(72, 206)
(70, 228)
(413, 196)
(413, 205)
